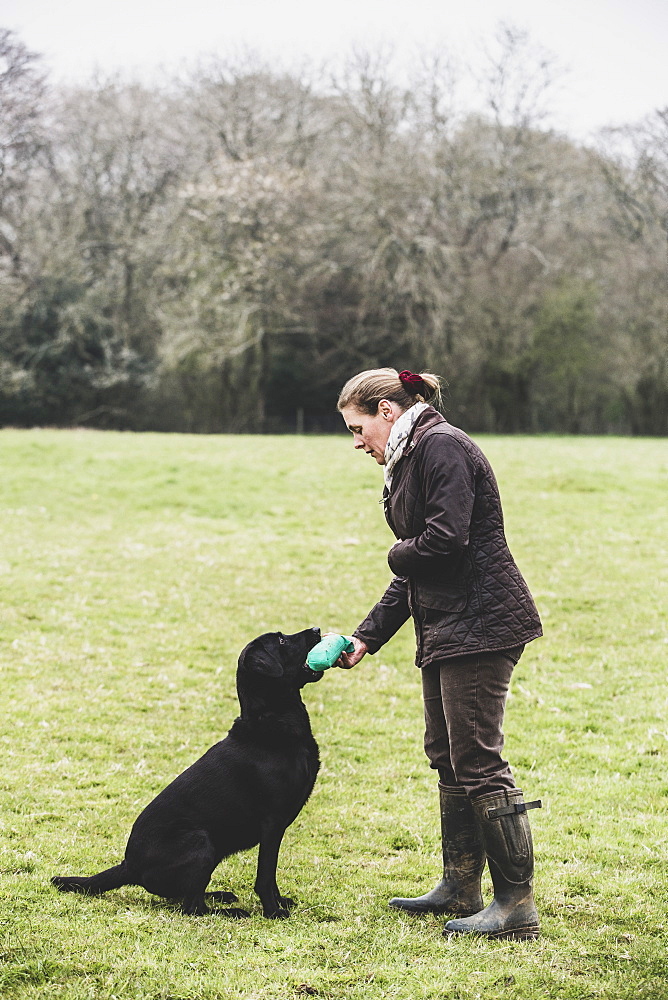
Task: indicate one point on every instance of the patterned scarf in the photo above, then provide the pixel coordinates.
(396, 443)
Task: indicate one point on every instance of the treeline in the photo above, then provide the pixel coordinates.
(220, 253)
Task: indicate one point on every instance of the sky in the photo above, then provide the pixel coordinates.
(611, 53)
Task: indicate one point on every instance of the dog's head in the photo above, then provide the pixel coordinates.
(281, 658)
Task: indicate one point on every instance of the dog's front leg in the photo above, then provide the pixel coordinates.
(274, 905)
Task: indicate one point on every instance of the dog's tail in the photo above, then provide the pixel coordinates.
(93, 885)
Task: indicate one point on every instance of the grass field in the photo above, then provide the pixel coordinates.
(135, 568)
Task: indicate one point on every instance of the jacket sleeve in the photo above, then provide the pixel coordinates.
(448, 479)
(386, 617)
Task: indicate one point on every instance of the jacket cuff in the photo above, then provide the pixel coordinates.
(398, 559)
(372, 645)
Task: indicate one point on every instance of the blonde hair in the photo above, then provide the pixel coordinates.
(365, 391)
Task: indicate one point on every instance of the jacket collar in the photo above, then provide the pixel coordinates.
(428, 418)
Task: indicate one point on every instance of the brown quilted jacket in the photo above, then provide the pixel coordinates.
(454, 571)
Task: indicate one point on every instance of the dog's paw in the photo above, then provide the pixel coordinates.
(67, 883)
(280, 914)
(221, 897)
(286, 902)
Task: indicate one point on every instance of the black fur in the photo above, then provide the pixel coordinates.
(245, 790)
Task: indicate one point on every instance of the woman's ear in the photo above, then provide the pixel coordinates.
(385, 409)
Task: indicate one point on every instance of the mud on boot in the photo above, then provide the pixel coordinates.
(458, 892)
(506, 835)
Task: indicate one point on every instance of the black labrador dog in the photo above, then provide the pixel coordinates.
(245, 790)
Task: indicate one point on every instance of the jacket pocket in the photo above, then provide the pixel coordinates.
(434, 602)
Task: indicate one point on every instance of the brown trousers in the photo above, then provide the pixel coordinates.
(464, 705)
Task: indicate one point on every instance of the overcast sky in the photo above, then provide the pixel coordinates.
(615, 51)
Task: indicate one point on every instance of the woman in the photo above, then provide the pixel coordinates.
(473, 615)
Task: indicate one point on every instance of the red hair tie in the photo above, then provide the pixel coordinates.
(413, 384)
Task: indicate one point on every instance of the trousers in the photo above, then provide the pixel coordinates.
(464, 707)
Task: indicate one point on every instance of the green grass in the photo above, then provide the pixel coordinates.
(134, 569)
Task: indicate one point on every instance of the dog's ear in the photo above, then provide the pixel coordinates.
(263, 658)
(267, 662)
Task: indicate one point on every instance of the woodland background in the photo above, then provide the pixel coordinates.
(220, 251)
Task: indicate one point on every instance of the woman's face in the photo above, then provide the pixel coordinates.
(370, 433)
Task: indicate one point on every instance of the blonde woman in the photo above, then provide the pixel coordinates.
(473, 615)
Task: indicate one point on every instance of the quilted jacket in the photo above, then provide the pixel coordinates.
(454, 571)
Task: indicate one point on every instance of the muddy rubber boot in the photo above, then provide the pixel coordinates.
(458, 892)
(507, 838)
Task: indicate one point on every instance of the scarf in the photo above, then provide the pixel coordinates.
(396, 443)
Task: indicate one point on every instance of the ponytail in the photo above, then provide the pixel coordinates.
(365, 391)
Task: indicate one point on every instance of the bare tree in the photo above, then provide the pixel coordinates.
(634, 162)
(22, 135)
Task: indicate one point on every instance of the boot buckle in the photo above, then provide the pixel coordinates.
(516, 807)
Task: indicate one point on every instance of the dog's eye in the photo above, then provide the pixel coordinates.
(281, 640)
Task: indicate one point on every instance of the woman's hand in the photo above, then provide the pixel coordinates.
(348, 660)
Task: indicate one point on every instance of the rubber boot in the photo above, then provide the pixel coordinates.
(458, 892)
(507, 838)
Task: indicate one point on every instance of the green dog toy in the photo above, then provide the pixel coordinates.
(325, 654)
